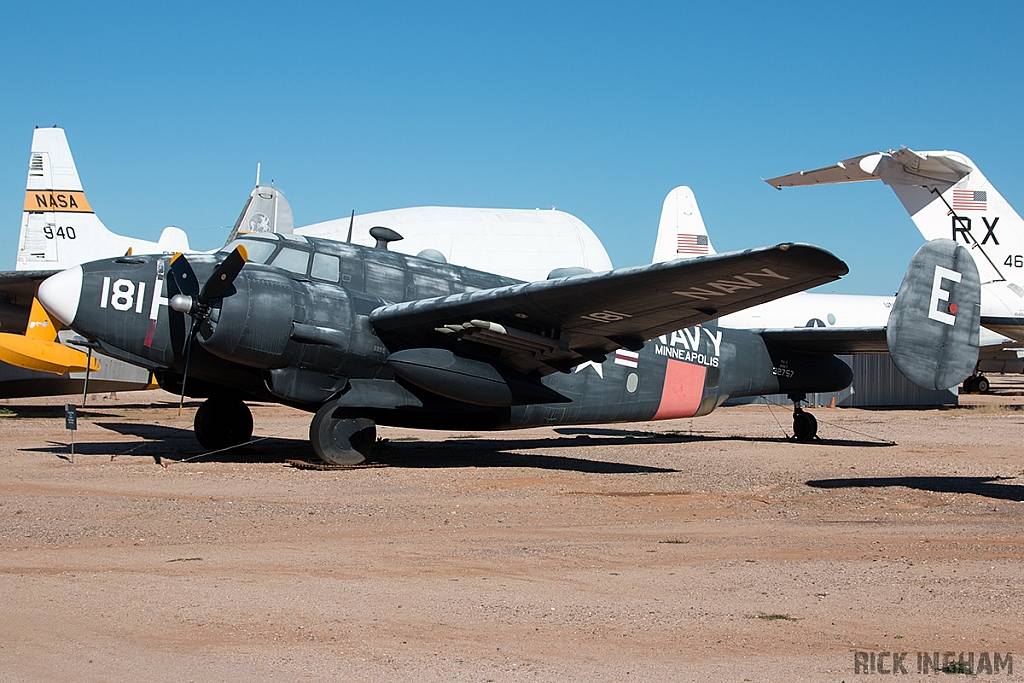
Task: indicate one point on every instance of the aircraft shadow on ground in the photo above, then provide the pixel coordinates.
(178, 443)
(980, 486)
(671, 437)
(498, 453)
(91, 411)
(182, 448)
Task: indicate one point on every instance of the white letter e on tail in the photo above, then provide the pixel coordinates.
(940, 294)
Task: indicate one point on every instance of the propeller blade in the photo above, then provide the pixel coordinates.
(225, 274)
(188, 359)
(184, 276)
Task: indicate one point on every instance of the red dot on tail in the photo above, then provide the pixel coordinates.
(952, 309)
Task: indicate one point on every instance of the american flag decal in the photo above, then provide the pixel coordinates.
(628, 358)
(970, 200)
(691, 244)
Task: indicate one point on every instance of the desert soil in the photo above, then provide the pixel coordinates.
(705, 549)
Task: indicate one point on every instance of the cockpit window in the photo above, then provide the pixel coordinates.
(326, 267)
(294, 260)
(259, 251)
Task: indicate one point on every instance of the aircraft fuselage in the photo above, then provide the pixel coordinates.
(299, 332)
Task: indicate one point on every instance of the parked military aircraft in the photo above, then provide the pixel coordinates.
(364, 335)
(59, 229)
(947, 195)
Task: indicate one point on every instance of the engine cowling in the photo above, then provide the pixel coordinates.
(251, 326)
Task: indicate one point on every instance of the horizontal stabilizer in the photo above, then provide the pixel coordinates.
(842, 340)
(903, 166)
(933, 328)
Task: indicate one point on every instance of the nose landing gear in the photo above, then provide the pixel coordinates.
(805, 426)
(222, 423)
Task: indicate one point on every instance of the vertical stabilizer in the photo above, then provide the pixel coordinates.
(933, 329)
(681, 231)
(972, 213)
(58, 226)
(56, 213)
(946, 195)
(265, 211)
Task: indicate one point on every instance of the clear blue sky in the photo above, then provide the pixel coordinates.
(598, 109)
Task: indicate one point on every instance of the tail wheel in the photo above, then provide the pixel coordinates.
(341, 441)
(805, 426)
(222, 423)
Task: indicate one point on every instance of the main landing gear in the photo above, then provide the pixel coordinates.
(976, 383)
(222, 423)
(805, 426)
(341, 440)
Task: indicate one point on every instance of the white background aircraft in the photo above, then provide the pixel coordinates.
(947, 196)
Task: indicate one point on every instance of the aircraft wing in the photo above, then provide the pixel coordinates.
(551, 325)
(20, 285)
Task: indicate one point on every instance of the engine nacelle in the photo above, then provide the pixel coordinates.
(471, 381)
(252, 325)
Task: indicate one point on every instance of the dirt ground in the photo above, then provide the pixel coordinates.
(706, 549)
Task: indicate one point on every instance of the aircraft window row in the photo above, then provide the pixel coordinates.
(325, 266)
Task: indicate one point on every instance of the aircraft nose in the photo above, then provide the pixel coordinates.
(59, 294)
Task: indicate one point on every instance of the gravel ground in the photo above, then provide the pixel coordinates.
(707, 549)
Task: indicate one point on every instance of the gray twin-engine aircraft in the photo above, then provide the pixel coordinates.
(363, 335)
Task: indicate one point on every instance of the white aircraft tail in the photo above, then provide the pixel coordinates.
(59, 229)
(946, 196)
(681, 231)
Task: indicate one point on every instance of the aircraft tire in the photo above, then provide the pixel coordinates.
(982, 385)
(341, 441)
(968, 385)
(805, 426)
(222, 423)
